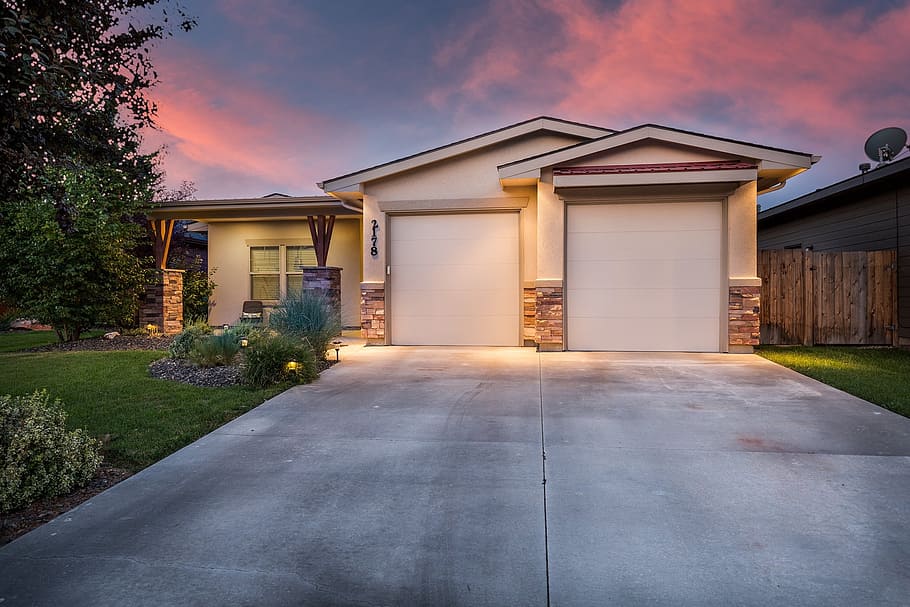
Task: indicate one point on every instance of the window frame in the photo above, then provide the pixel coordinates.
(284, 274)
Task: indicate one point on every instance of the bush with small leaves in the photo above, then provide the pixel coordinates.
(267, 361)
(39, 457)
(215, 350)
(183, 342)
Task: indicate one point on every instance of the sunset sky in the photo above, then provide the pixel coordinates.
(276, 95)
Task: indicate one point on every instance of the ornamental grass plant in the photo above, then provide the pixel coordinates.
(310, 317)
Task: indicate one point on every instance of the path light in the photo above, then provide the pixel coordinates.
(291, 365)
(338, 345)
(151, 329)
(226, 327)
(244, 342)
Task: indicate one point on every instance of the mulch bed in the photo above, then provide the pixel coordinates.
(188, 373)
(37, 513)
(99, 344)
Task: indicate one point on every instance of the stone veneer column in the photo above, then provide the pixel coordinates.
(529, 316)
(549, 306)
(372, 313)
(162, 303)
(324, 281)
(744, 324)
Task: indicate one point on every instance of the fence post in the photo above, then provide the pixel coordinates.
(809, 288)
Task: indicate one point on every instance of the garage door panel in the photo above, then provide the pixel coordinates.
(645, 303)
(445, 226)
(651, 244)
(443, 251)
(455, 331)
(670, 216)
(655, 274)
(644, 277)
(667, 334)
(455, 279)
(441, 304)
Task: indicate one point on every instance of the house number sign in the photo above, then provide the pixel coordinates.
(374, 250)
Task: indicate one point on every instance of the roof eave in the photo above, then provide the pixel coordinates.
(344, 183)
(762, 154)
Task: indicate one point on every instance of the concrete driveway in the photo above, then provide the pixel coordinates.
(415, 476)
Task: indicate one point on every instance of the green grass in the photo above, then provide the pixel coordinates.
(13, 341)
(879, 375)
(111, 393)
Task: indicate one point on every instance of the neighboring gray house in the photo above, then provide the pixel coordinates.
(868, 212)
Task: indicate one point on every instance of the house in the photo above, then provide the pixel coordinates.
(546, 232)
(867, 212)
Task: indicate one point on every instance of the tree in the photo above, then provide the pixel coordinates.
(85, 274)
(74, 78)
(74, 82)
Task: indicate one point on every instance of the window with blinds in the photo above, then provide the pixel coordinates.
(265, 272)
(270, 264)
(296, 258)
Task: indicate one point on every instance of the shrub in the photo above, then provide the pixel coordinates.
(38, 456)
(267, 358)
(198, 286)
(215, 350)
(309, 316)
(183, 342)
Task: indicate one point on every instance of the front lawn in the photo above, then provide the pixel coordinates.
(13, 341)
(111, 396)
(879, 375)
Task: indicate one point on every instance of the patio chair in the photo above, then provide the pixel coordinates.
(252, 310)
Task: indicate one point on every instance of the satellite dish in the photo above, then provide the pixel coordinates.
(883, 145)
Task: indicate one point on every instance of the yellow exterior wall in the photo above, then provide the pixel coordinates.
(648, 152)
(468, 177)
(230, 258)
(742, 232)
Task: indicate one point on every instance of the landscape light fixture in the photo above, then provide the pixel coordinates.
(244, 342)
(151, 329)
(291, 365)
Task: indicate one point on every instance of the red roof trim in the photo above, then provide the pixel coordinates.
(666, 167)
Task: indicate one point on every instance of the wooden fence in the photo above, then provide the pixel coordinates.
(810, 298)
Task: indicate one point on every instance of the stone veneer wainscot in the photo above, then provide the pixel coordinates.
(162, 302)
(744, 328)
(372, 312)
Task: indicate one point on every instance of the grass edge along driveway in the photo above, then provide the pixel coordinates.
(878, 375)
(111, 396)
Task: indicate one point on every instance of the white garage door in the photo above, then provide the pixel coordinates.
(644, 277)
(454, 280)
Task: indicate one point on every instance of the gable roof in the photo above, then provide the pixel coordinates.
(352, 181)
(896, 169)
(770, 157)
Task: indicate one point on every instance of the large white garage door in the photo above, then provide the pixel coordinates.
(454, 280)
(644, 277)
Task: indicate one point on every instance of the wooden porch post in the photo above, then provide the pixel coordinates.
(163, 230)
(321, 233)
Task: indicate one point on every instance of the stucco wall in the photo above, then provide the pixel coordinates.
(648, 152)
(469, 177)
(230, 258)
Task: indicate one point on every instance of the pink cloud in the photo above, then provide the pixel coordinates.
(215, 128)
(739, 68)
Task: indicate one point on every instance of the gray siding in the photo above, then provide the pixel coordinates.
(903, 261)
(861, 225)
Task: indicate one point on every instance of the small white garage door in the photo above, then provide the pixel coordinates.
(454, 280)
(644, 277)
